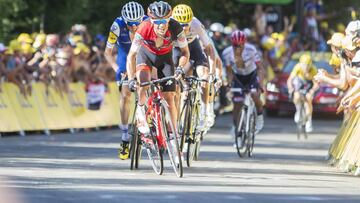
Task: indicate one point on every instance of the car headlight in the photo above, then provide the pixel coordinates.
(331, 90)
(271, 87)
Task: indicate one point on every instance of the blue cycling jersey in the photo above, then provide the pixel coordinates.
(120, 35)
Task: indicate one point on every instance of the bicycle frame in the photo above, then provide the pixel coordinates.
(154, 111)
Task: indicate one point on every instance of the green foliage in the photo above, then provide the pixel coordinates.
(57, 16)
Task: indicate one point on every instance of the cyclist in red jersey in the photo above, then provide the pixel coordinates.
(152, 48)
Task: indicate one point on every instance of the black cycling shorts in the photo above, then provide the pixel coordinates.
(301, 84)
(242, 82)
(163, 63)
(196, 54)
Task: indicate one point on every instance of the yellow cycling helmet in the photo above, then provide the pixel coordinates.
(81, 48)
(335, 60)
(182, 13)
(305, 59)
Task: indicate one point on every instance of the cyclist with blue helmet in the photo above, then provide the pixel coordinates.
(121, 34)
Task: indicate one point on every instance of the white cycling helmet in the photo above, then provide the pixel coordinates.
(217, 27)
(132, 11)
(228, 30)
(352, 28)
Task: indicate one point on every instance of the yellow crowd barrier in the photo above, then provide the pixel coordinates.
(54, 111)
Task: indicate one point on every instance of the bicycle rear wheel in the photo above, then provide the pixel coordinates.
(172, 143)
(138, 152)
(184, 125)
(133, 145)
(193, 149)
(241, 135)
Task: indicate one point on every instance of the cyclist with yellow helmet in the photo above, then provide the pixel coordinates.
(301, 78)
(195, 33)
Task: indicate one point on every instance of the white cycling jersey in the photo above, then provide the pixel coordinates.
(197, 30)
(250, 55)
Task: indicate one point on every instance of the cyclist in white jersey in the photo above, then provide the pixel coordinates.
(195, 33)
(245, 71)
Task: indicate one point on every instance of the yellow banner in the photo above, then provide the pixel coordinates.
(26, 109)
(52, 111)
(8, 119)
(109, 112)
(76, 107)
(52, 107)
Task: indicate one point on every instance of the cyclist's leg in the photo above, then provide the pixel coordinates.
(165, 69)
(202, 70)
(252, 81)
(144, 63)
(124, 106)
(124, 96)
(238, 98)
(255, 93)
(297, 84)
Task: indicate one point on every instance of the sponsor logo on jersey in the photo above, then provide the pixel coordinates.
(112, 38)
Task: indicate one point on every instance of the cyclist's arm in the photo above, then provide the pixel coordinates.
(183, 45)
(227, 63)
(113, 36)
(131, 58)
(293, 74)
(210, 53)
(218, 65)
(229, 73)
(209, 49)
(260, 69)
(314, 88)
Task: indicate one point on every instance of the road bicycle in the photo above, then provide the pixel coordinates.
(162, 130)
(245, 127)
(191, 136)
(149, 143)
(301, 124)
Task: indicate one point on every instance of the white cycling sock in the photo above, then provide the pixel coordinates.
(124, 132)
(298, 107)
(203, 109)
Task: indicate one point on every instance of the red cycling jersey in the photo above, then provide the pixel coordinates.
(146, 36)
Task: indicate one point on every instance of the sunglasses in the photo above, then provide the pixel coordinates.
(136, 23)
(184, 24)
(160, 21)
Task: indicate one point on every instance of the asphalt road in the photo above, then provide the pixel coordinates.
(83, 167)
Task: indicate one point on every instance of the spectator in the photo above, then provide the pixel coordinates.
(310, 31)
(2, 64)
(260, 20)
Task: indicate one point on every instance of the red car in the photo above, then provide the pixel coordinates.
(277, 96)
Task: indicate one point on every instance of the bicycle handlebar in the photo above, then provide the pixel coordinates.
(193, 78)
(155, 82)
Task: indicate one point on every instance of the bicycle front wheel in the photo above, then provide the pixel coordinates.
(241, 135)
(251, 134)
(172, 143)
(154, 154)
